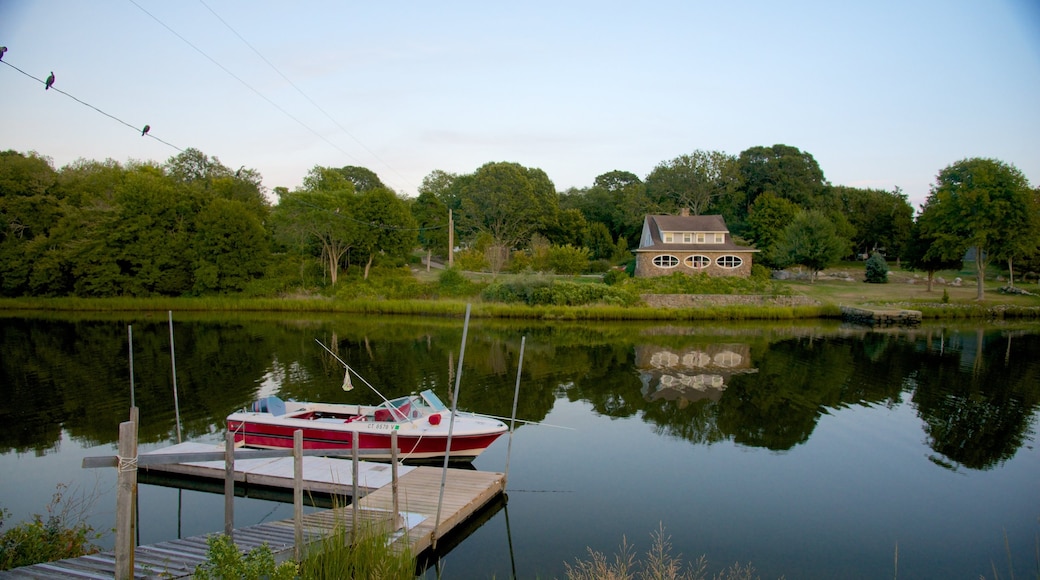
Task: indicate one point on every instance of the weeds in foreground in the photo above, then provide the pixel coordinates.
(659, 564)
(64, 534)
(225, 561)
(364, 553)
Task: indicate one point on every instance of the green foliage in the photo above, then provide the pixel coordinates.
(701, 283)
(508, 201)
(539, 291)
(384, 283)
(451, 283)
(363, 554)
(946, 296)
(614, 276)
(811, 240)
(471, 260)
(568, 259)
(64, 534)
(877, 269)
(226, 562)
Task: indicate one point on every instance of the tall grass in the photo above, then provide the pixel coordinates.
(364, 552)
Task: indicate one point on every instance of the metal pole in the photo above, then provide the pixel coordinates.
(451, 428)
(298, 495)
(355, 508)
(229, 484)
(130, 336)
(516, 397)
(173, 364)
(393, 477)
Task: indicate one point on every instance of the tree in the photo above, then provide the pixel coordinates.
(983, 204)
(811, 240)
(784, 170)
(880, 219)
(508, 201)
(364, 179)
(691, 181)
(321, 217)
(230, 246)
(385, 227)
(765, 225)
(918, 252)
(877, 269)
(442, 186)
(431, 216)
(617, 199)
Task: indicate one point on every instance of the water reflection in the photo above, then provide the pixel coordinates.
(975, 390)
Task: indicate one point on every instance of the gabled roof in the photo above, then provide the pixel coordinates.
(653, 225)
(689, 223)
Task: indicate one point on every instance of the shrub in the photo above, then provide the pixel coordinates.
(452, 283)
(613, 277)
(568, 259)
(225, 561)
(471, 260)
(64, 534)
(539, 291)
(877, 269)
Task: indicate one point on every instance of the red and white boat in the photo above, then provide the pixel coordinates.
(421, 422)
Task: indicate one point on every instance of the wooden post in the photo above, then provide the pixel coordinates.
(393, 477)
(355, 508)
(229, 484)
(298, 494)
(126, 482)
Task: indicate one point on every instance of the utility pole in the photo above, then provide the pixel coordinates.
(451, 239)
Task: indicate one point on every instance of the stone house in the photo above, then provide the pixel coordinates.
(690, 244)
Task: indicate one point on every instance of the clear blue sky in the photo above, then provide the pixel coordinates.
(882, 93)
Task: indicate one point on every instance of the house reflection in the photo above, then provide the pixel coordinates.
(690, 374)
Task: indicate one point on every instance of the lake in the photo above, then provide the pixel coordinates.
(809, 449)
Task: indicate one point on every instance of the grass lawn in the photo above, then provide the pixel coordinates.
(908, 288)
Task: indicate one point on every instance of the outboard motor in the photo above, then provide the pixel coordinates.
(271, 404)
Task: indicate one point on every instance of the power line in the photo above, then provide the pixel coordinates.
(86, 104)
(244, 83)
(299, 90)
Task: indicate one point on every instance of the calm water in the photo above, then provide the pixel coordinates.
(809, 450)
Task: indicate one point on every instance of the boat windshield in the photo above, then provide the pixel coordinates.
(433, 400)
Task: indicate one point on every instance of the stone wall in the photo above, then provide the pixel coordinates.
(702, 300)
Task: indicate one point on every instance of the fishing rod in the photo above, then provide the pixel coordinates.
(347, 385)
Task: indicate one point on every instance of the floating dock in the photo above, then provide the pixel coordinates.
(465, 493)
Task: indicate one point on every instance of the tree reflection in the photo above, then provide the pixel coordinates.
(755, 385)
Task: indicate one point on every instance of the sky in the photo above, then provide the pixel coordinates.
(882, 93)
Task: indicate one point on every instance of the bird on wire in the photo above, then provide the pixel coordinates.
(146, 129)
(50, 81)
(3, 49)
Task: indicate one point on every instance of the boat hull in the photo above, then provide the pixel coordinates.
(374, 443)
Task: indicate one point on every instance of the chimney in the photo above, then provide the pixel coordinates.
(684, 212)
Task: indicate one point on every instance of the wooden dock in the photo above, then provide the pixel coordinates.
(419, 491)
(325, 475)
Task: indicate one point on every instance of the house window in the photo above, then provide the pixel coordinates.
(698, 261)
(687, 238)
(720, 238)
(668, 238)
(700, 238)
(729, 261)
(666, 261)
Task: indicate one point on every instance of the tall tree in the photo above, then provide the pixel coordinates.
(691, 181)
(323, 218)
(364, 179)
(386, 226)
(431, 216)
(784, 170)
(811, 240)
(881, 220)
(982, 204)
(508, 201)
(918, 255)
(765, 224)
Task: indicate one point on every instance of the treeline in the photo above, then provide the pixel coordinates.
(193, 226)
